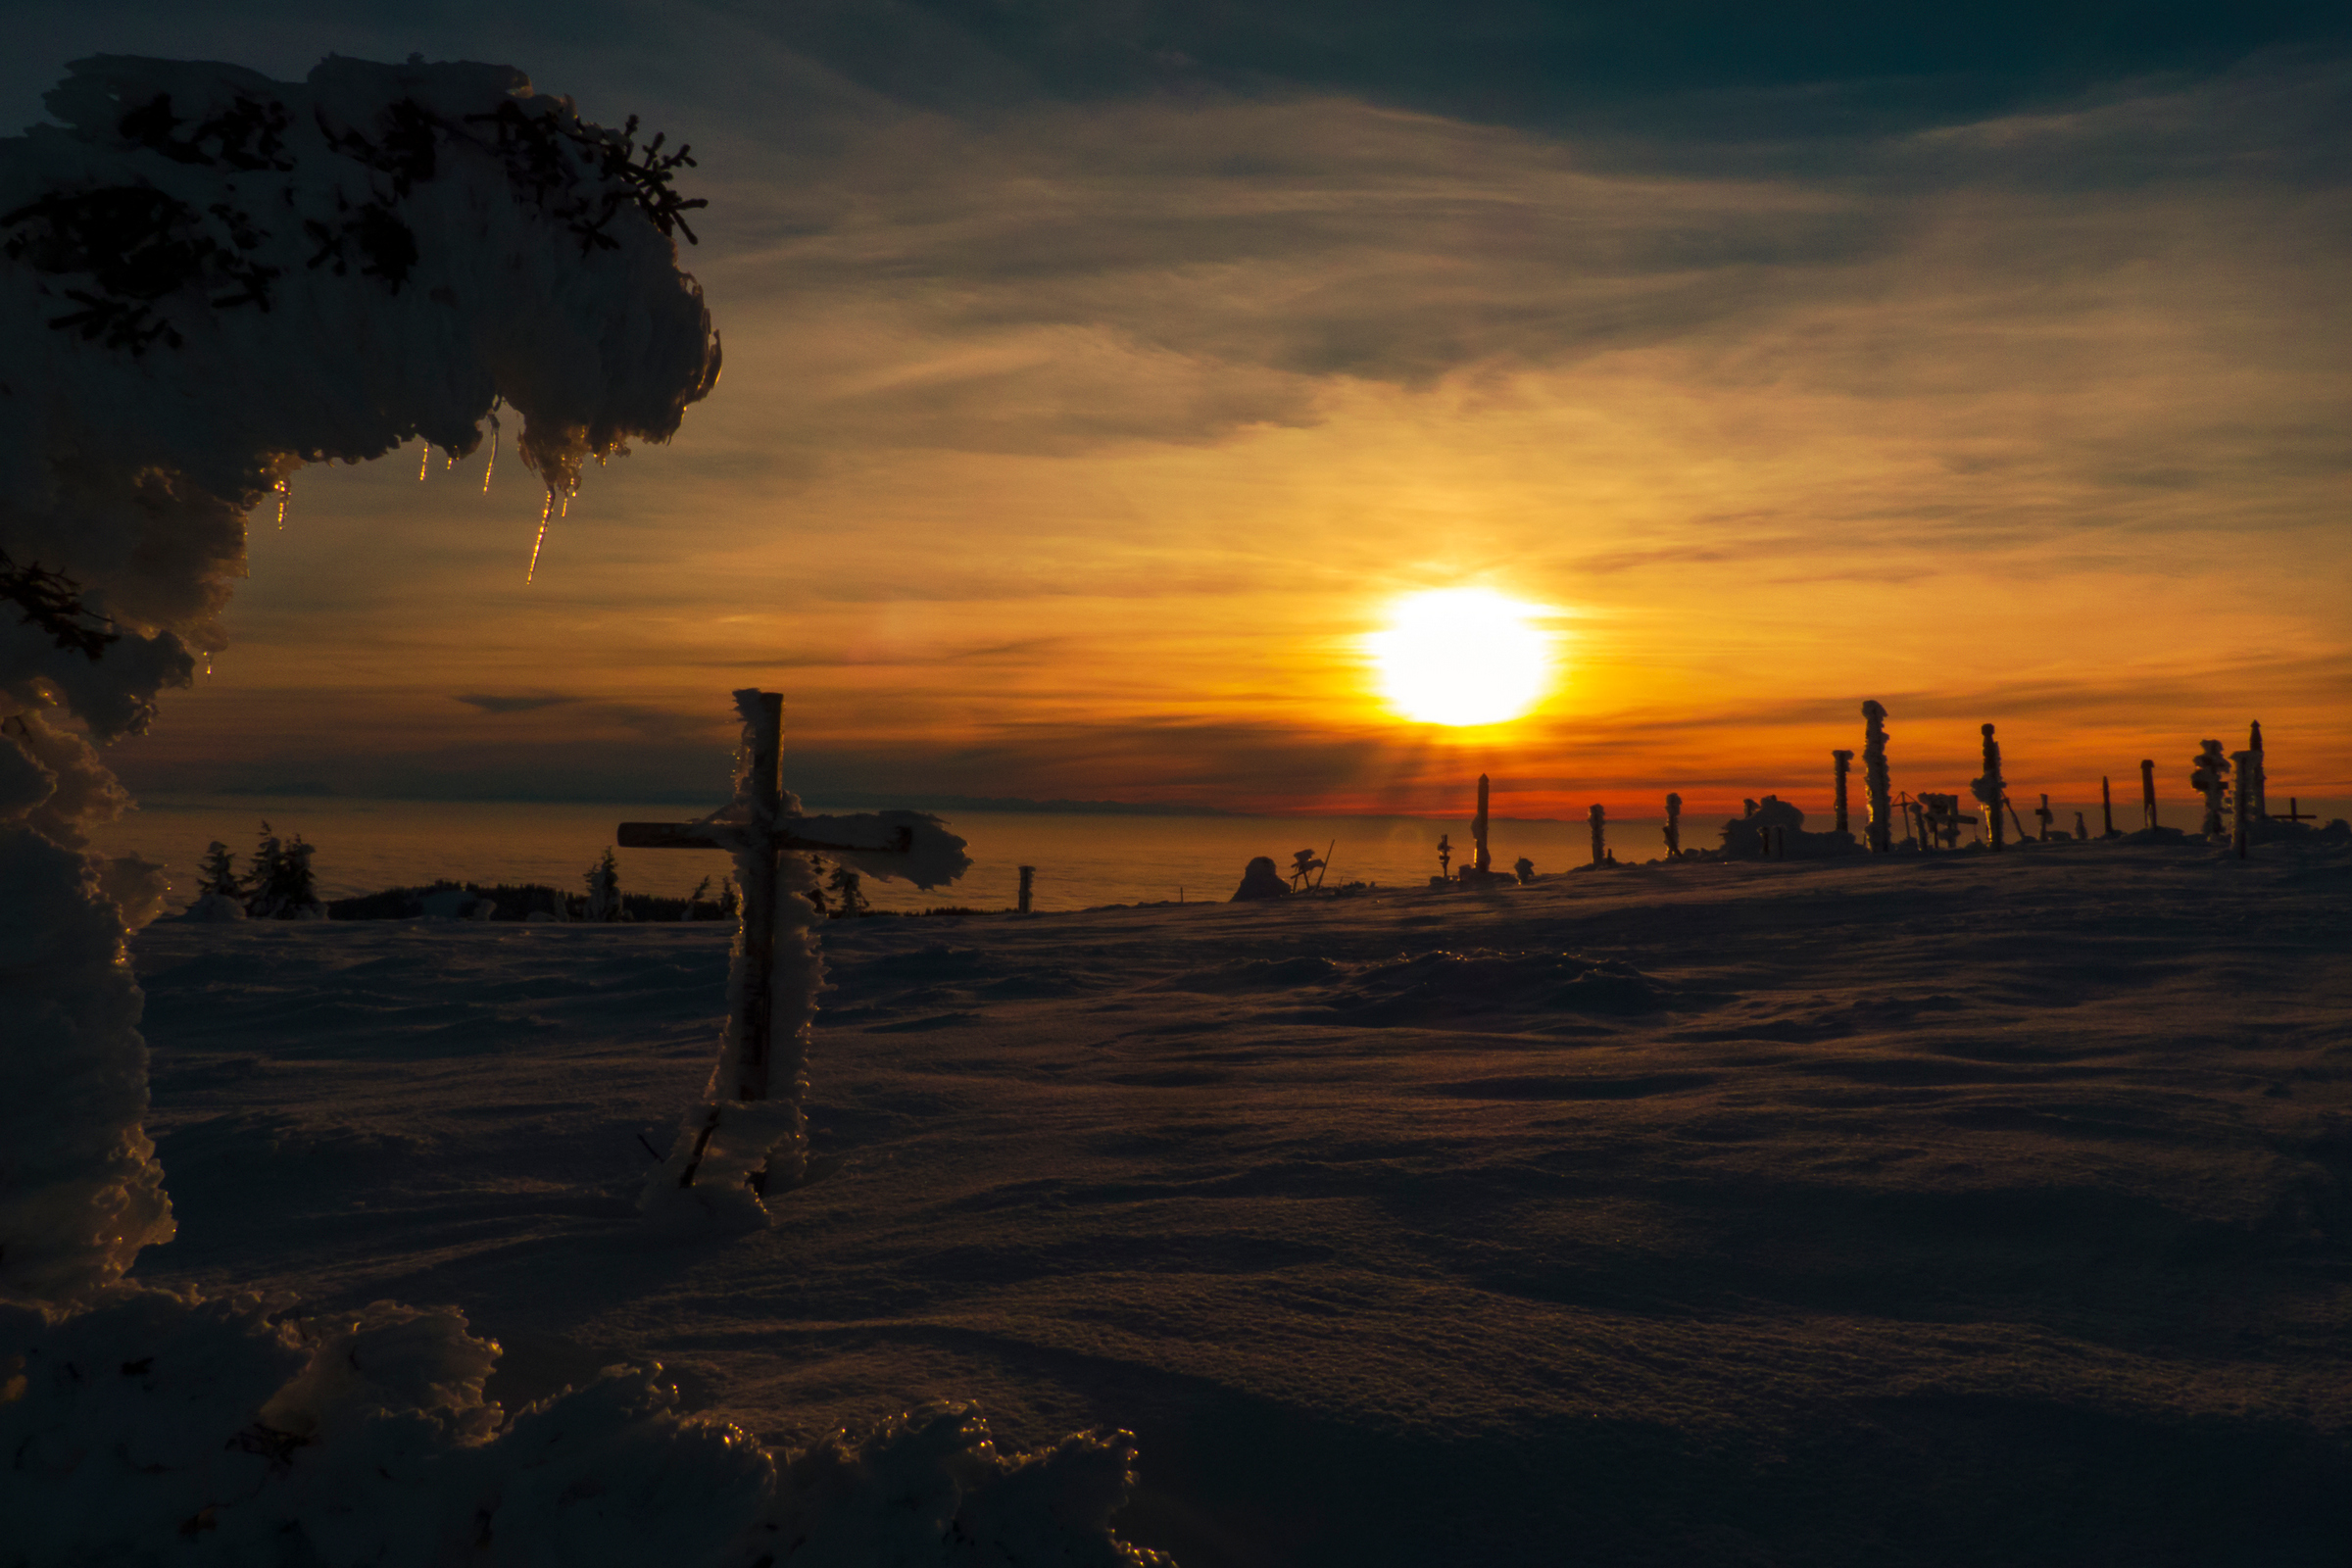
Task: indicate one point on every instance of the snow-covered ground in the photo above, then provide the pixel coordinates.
(1967, 1211)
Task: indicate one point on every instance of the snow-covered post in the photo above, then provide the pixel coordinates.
(1842, 761)
(2209, 777)
(2252, 782)
(1028, 884)
(1876, 784)
(1674, 824)
(2047, 815)
(1598, 818)
(755, 872)
(1989, 790)
(2148, 793)
(2240, 828)
(2106, 808)
(1478, 828)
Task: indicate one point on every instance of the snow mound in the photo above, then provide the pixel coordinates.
(159, 1427)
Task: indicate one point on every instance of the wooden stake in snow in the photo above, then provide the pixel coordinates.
(1875, 781)
(1599, 819)
(1674, 824)
(1029, 879)
(1842, 761)
(758, 834)
(2047, 816)
(2147, 792)
(2106, 808)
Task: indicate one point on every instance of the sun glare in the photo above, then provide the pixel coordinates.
(1461, 657)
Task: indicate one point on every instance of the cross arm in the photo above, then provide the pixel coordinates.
(901, 843)
(674, 836)
(727, 835)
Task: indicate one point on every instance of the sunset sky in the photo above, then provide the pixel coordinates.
(1097, 376)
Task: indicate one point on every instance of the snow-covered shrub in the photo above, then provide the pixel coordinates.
(206, 279)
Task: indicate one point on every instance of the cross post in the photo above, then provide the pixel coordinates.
(757, 834)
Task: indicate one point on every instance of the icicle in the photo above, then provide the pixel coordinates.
(545, 506)
(491, 462)
(284, 494)
(424, 461)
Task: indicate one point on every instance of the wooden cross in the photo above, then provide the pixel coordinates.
(756, 843)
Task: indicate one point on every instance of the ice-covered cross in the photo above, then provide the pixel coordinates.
(751, 1133)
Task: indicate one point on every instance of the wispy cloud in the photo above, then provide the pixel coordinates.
(492, 703)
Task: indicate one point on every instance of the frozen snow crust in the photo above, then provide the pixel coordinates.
(1951, 1210)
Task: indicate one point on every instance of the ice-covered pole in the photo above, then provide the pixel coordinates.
(2148, 793)
(1876, 784)
(1988, 787)
(1842, 761)
(2106, 808)
(1478, 828)
(2209, 777)
(2253, 782)
(2240, 827)
(755, 875)
(1674, 824)
(1598, 819)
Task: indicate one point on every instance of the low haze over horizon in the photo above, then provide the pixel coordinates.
(1099, 382)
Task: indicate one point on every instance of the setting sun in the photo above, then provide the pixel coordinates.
(1460, 657)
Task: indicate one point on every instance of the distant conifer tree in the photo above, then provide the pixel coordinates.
(604, 889)
(219, 873)
(281, 886)
(729, 904)
(267, 854)
(849, 899)
(297, 889)
(816, 893)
